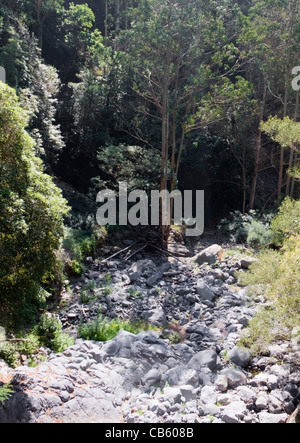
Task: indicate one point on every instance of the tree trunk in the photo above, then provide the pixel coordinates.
(106, 22)
(165, 228)
(38, 4)
(257, 150)
(296, 116)
(287, 86)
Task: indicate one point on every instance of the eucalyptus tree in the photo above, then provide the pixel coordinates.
(171, 48)
(40, 10)
(270, 36)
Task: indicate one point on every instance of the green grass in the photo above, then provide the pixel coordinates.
(103, 329)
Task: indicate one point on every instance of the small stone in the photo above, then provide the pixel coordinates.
(188, 392)
(153, 377)
(208, 395)
(247, 262)
(262, 401)
(221, 383)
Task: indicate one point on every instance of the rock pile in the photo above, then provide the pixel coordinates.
(188, 371)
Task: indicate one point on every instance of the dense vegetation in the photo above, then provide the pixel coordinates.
(163, 94)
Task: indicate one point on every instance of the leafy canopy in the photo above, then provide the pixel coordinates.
(31, 209)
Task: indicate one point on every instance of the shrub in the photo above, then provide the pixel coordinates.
(49, 331)
(259, 234)
(287, 221)
(76, 269)
(79, 244)
(277, 273)
(251, 228)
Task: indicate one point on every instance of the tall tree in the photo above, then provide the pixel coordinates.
(42, 9)
(32, 210)
(169, 46)
(270, 36)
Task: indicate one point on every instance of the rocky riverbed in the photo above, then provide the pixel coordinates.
(187, 370)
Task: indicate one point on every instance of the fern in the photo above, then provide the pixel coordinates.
(5, 393)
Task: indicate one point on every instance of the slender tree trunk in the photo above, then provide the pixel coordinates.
(165, 147)
(287, 86)
(106, 22)
(294, 180)
(296, 116)
(258, 149)
(118, 26)
(244, 182)
(38, 4)
(292, 150)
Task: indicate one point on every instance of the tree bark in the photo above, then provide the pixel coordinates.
(258, 149)
(295, 160)
(287, 86)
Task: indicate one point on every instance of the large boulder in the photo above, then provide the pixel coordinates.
(207, 358)
(209, 255)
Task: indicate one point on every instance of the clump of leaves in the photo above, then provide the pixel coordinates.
(251, 228)
(49, 331)
(5, 393)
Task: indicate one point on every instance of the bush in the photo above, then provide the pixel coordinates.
(49, 331)
(259, 234)
(277, 275)
(79, 244)
(251, 228)
(287, 221)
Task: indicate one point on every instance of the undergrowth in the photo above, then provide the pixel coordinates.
(276, 275)
(103, 329)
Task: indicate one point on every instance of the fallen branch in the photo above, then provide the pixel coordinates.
(16, 339)
(171, 273)
(166, 252)
(134, 253)
(119, 252)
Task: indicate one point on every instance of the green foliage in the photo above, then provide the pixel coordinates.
(37, 85)
(137, 166)
(103, 329)
(79, 244)
(79, 19)
(49, 332)
(76, 269)
(11, 351)
(259, 234)
(286, 132)
(5, 393)
(276, 275)
(32, 209)
(287, 221)
(251, 228)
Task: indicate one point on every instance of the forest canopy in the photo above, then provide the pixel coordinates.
(163, 94)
